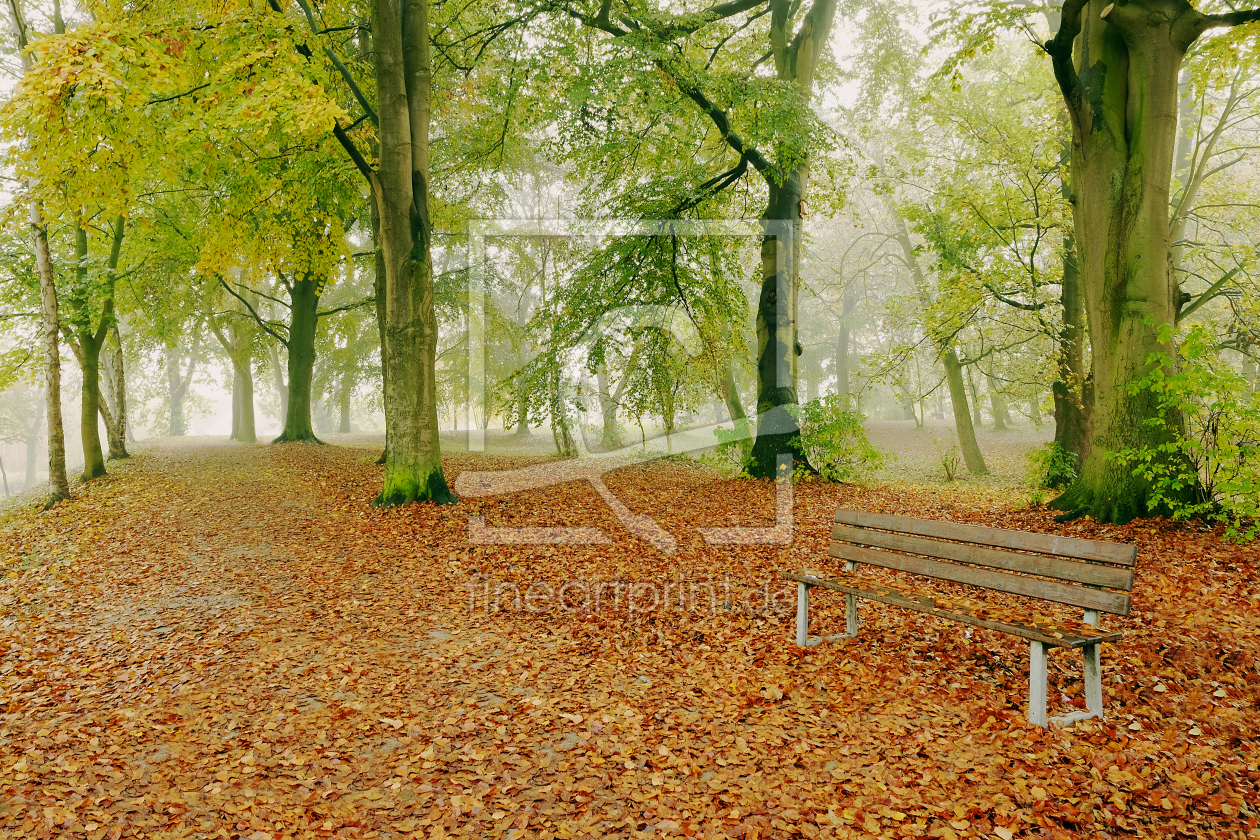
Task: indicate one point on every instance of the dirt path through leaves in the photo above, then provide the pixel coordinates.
(227, 641)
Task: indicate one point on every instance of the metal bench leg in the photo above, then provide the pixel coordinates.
(802, 615)
(1037, 684)
(1093, 679)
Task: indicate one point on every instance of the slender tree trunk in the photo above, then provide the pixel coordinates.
(977, 418)
(303, 324)
(5, 475)
(58, 481)
(611, 438)
(955, 379)
(91, 339)
(413, 457)
(114, 405)
(174, 393)
(93, 456)
(277, 372)
(343, 404)
(997, 402)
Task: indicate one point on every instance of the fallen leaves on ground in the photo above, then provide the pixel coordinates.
(228, 641)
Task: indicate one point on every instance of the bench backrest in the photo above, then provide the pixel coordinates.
(1089, 574)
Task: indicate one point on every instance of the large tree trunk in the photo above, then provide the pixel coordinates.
(1072, 390)
(1121, 93)
(777, 346)
(303, 324)
(795, 61)
(413, 455)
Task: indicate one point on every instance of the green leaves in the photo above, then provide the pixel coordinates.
(1216, 459)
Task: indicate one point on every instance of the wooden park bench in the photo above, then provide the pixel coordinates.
(1088, 574)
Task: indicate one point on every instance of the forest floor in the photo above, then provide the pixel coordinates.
(219, 640)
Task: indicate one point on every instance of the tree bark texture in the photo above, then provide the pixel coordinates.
(303, 325)
(413, 456)
(58, 481)
(114, 394)
(1117, 67)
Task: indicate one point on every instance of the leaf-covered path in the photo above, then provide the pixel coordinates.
(227, 641)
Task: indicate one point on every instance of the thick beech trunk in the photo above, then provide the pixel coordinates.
(413, 455)
(303, 324)
(1073, 391)
(1120, 87)
(777, 346)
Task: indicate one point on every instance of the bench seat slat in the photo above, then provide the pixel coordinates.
(1053, 635)
(1046, 590)
(1055, 567)
(1094, 550)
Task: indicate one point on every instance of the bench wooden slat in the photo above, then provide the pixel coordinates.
(1047, 590)
(1093, 550)
(1054, 567)
(954, 612)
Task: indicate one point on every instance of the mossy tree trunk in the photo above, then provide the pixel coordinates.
(87, 331)
(304, 294)
(1073, 390)
(1117, 67)
(413, 456)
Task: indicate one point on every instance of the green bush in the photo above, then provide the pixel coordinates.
(1051, 467)
(834, 441)
(1218, 457)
